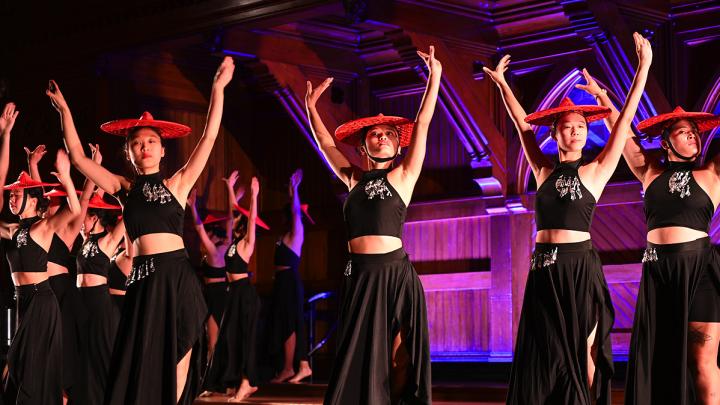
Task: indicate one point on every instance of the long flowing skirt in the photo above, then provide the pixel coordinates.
(234, 357)
(34, 377)
(102, 327)
(566, 298)
(162, 319)
(382, 296)
(288, 317)
(679, 285)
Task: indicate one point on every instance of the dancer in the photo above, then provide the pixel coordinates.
(563, 352)
(214, 244)
(60, 264)
(164, 309)
(36, 350)
(677, 316)
(288, 297)
(101, 237)
(233, 365)
(383, 353)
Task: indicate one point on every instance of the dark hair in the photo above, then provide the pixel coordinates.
(218, 231)
(666, 131)
(42, 202)
(106, 217)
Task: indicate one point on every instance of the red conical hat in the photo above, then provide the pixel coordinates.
(166, 129)
(210, 219)
(655, 125)
(258, 221)
(549, 116)
(25, 181)
(351, 131)
(97, 202)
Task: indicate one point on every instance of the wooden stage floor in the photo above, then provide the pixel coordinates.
(444, 394)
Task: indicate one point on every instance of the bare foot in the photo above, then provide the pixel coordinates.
(206, 394)
(302, 374)
(243, 393)
(283, 376)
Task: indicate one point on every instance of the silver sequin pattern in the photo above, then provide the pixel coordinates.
(156, 192)
(22, 237)
(377, 188)
(650, 255)
(348, 268)
(540, 260)
(141, 271)
(90, 249)
(568, 185)
(233, 249)
(680, 182)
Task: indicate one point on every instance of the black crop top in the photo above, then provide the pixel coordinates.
(674, 198)
(284, 256)
(151, 208)
(234, 264)
(59, 253)
(563, 202)
(92, 260)
(374, 207)
(116, 278)
(23, 253)
(209, 271)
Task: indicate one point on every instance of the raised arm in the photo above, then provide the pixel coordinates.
(33, 158)
(621, 139)
(412, 163)
(536, 159)
(105, 179)
(7, 121)
(198, 225)
(297, 231)
(339, 163)
(232, 200)
(252, 216)
(63, 217)
(188, 174)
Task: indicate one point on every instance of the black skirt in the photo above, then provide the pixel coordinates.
(74, 328)
(381, 296)
(566, 296)
(162, 319)
(674, 280)
(102, 327)
(234, 356)
(288, 317)
(34, 377)
(215, 297)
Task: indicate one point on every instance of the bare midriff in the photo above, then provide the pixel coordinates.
(561, 236)
(54, 269)
(25, 278)
(90, 280)
(155, 243)
(236, 277)
(374, 244)
(116, 292)
(674, 234)
(213, 280)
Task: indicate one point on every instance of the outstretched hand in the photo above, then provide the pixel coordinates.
(56, 97)
(254, 186)
(7, 119)
(224, 72)
(296, 178)
(35, 155)
(95, 151)
(434, 66)
(313, 94)
(643, 49)
(591, 87)
(232, 178)
(498, 74)
(62, 165)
